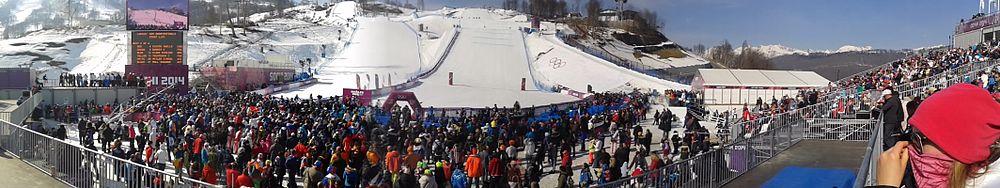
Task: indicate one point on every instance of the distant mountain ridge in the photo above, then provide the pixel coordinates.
(845, 61)
(834, 64)
(777, 50)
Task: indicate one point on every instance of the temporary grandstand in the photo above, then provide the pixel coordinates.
(737, 87)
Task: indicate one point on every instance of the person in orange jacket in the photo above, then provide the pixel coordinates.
(392, 161)
(474, 167)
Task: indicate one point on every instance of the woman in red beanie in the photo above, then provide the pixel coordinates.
(953, 142)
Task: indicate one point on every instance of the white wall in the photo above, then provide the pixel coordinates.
(76, 95)
(968, 39)
(733, 96)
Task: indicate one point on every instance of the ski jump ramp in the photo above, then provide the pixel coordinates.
(488, 62)
(379, 47)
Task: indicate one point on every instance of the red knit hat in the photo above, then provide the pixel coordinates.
(963, 120)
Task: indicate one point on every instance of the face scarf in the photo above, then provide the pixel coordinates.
(930, 170)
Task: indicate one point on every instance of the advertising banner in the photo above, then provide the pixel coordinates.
(15, 78)
(157, 14)
(143, 116)
(978, 23)
(158, 76)
(363, 96)
(157, 47)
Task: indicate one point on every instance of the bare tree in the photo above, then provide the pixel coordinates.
(699, 49)
(751, 58)
(69, 12)
(723, 54)
(652, 20)
(593, 11)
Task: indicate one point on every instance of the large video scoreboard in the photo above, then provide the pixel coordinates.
(157, 47)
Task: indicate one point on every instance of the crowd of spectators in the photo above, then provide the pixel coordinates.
(245, 139)
(920, 66)
(111, 79)
(252, 140)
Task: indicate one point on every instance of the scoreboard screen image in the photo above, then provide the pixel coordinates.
(157, 14)
(157, 47)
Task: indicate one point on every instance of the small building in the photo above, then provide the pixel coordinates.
(246, 74)
(611, 15)
(738, 87)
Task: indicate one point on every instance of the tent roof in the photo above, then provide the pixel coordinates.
(761, 78)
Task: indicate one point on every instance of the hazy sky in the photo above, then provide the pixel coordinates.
(804, 24)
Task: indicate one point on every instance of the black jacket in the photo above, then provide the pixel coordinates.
(911, 107)
(893, 111)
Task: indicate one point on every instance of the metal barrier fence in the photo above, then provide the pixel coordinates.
(968, 69)
(81, 167)
(778, 132)
(23, 110)
(720, 166)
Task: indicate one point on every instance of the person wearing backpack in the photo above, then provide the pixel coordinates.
(585, 179)
(459, 179)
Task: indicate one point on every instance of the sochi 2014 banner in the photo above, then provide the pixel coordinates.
(158, 76)
(978, 23)
(364, 96)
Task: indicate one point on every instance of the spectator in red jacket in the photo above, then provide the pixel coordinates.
(231, 175)
(244, 180)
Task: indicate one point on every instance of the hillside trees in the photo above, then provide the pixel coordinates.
(747, 58)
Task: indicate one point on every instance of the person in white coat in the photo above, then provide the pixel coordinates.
(162, 157)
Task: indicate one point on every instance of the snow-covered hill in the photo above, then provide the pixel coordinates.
(19, 17)
(104, 48)
(386, 49)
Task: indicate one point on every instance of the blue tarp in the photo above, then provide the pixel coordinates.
(794, 176)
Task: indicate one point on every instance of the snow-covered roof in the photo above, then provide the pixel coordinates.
(760, 78)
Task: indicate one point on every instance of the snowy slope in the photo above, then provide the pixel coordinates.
(97, 49)
(378, 46)
(488, 61)
(78, 50)
(24, 8)
(489, 58)
(24, 16)
(576, 70)
(106, 53)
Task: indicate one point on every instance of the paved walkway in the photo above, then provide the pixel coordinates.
(807, 153)
(16, 173)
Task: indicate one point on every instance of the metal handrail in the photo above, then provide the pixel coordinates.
(62, 160)
(22, 111)
(704, 170)
(864, 176)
